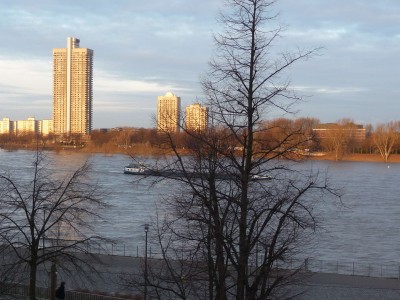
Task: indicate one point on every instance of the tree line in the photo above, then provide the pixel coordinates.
(340, 138)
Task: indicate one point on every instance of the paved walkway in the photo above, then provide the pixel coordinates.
(315, 286)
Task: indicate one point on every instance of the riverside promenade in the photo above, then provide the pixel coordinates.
(349, 287)
(114, 270)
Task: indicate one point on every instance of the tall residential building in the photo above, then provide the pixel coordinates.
(7, 126)
(168, 112)
(196, 117)
(72, 89)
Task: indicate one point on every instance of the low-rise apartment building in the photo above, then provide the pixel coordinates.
(29, 126)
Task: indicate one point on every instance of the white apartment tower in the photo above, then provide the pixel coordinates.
(168, 112)
(72, 89)
(196, 117)
(7, 126)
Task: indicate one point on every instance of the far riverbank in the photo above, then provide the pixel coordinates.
(394, 158)
(145, 150)
(153, 151)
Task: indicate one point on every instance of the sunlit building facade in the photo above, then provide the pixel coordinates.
(196, 117)
(45, 127)
(72, 89)
(28, 126)
(168, 113)
(330, 130)
(6, 126)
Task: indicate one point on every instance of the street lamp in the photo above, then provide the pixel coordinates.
(146, 229)
(44, 226)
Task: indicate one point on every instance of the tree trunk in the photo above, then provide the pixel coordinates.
(32, 279)
(53, 281)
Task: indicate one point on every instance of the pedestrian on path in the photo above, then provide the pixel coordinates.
(60, 292)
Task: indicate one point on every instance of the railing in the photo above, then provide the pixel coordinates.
(376, 269)
(122, 250)
(342, 267)
(44, 293)
(73, 295)
(370, 269)
(388, 270)
(355, 268)
(19, 290)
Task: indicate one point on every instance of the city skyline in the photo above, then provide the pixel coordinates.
(146, 49)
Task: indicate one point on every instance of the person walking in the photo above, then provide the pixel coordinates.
(60, 292)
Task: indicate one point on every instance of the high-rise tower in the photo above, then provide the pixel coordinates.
(196, 117)
(72, 89)
(168, 113)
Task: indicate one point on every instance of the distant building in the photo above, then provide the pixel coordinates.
(196, 117)
(327, 131)
(27, 126)
(168, 113)
(6, 126)
(72, 89)
(45, 127)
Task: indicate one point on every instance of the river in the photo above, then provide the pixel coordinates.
(363, 227)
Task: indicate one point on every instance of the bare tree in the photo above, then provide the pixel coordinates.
(241, 213)
(297, 135)
(385, 137)
(45, 217)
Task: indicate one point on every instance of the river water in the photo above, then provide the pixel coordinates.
(362, 227)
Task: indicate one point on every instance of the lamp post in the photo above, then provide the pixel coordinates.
(44, 225)
(146, 229)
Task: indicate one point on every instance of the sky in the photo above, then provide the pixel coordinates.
(143, 49)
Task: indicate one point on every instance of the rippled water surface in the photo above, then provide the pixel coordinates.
(364, 227)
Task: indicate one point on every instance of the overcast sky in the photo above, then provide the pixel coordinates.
(143, 49)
